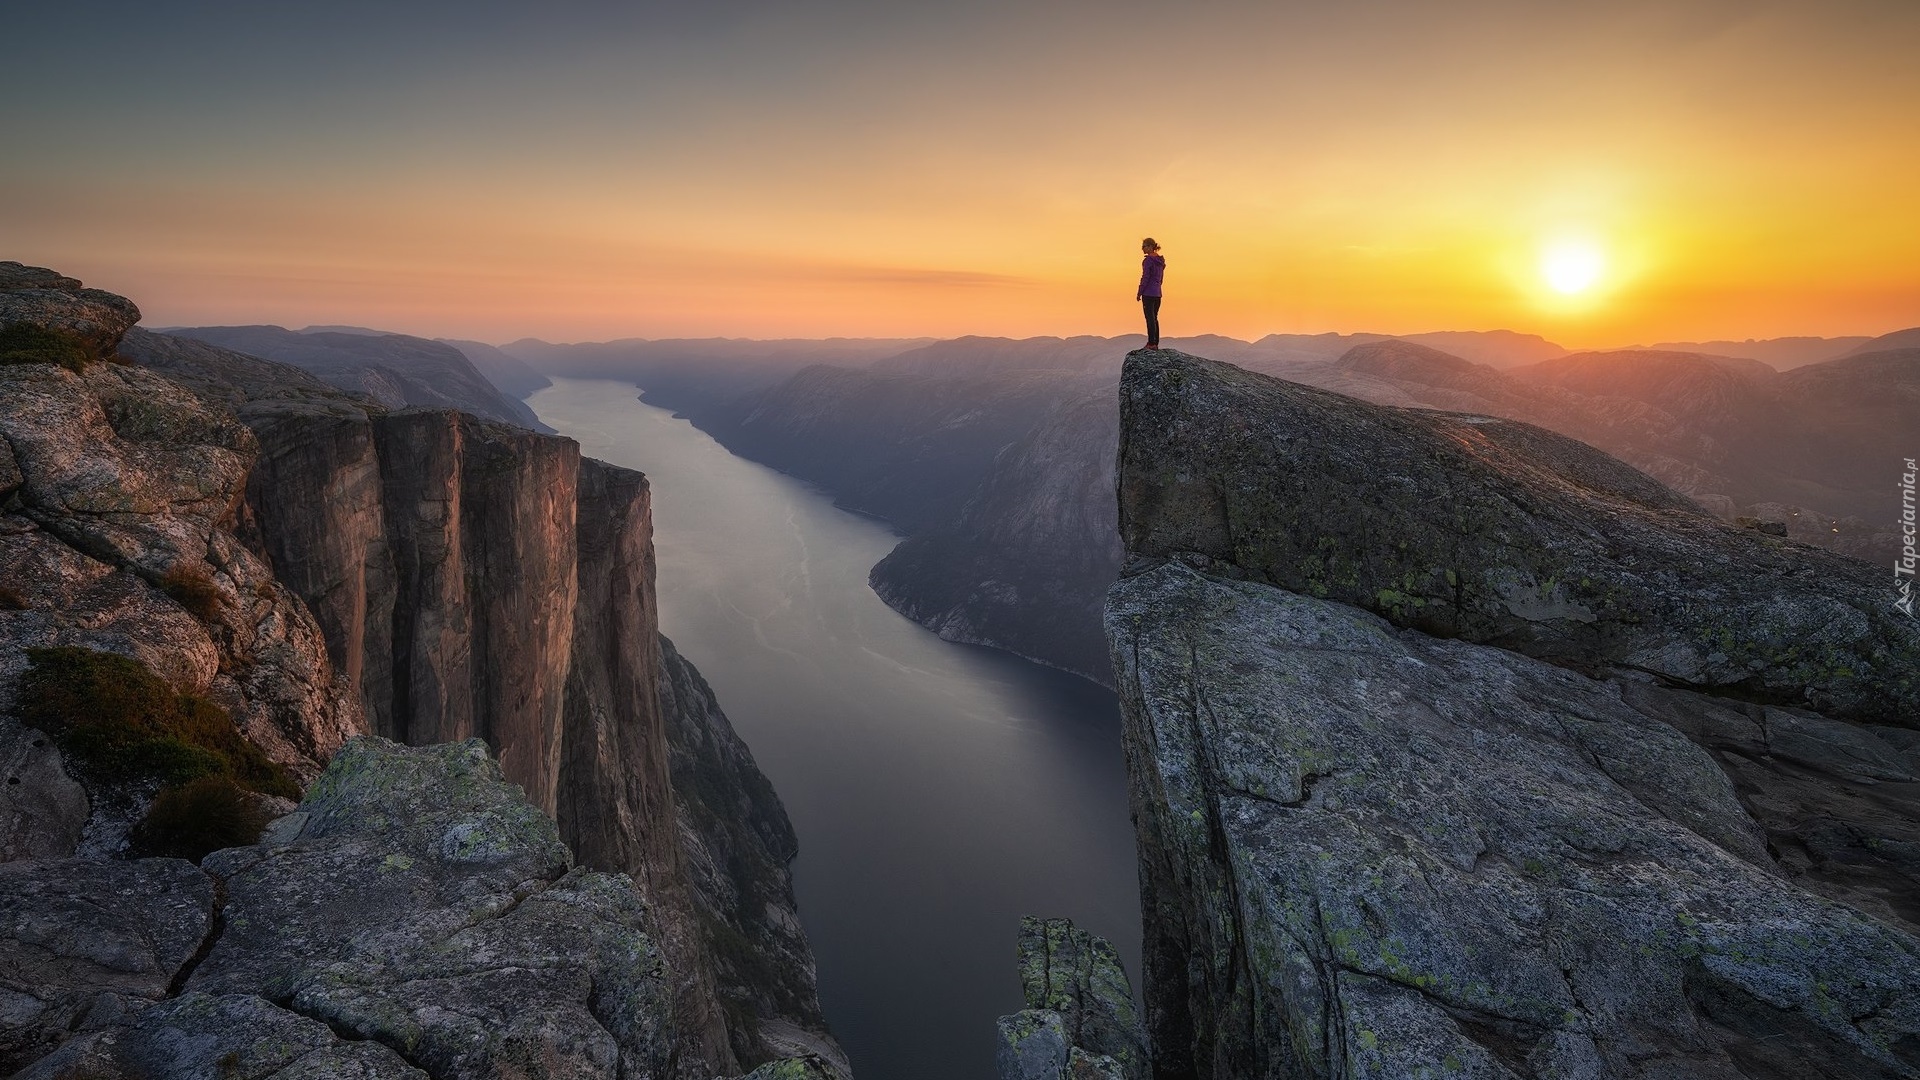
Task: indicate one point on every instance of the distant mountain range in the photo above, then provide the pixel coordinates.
(1780, 354)
(995, 456)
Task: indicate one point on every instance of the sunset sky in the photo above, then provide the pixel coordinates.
(582, 171)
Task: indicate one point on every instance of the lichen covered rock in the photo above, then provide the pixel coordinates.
(1382, 835)
(1076, 975)
(93, 319)
(1499, 532)
(416, 915)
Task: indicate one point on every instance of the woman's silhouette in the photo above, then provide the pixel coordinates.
(1153, 268)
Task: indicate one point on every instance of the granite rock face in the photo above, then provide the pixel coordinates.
(84, 942)
(415, 916)
(474, 580)
(123, 529)
(1369, 851)
(738, 849)
(241, 1036)
(1498, 532)
(416, 899)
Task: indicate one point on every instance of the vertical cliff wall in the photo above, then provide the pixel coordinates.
(478, 581)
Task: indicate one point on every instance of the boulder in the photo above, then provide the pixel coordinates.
(1067, 971)
(1033, 1046)
(39, 297)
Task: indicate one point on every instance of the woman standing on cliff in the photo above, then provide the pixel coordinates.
(1153, 268)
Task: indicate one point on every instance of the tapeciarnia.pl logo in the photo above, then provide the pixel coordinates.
(1904, 565)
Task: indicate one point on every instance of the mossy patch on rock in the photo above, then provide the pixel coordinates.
(26, 343)
(203, 815)
(118, 724)
(115, 719)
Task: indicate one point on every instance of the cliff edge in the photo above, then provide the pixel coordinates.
(1459, 746)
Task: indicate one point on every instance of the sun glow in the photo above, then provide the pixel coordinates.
(1571, 267)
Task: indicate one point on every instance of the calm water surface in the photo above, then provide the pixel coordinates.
(940, 791)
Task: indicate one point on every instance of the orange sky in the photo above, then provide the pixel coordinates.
(1742, 169)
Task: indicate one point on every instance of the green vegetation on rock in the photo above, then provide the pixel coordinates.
(202, 815)
(118, 720)
(119, 723)
(26, 343)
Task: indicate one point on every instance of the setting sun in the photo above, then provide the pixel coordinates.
(1571, 268)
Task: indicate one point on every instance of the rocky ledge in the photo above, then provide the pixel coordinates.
(415, 916)
(1460, 748)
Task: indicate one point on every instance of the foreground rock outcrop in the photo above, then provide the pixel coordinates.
(416, 916)
(121, 530)
(1459, 747)
(260, 552)
(1498, 532)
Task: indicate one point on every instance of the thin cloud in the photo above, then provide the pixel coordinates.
(891, 275)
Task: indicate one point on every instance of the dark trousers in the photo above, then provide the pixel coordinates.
(1151, 304)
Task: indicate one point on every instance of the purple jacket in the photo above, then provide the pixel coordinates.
(1152, 269)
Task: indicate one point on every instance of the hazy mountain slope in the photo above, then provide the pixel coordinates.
(907, 447)
(394, 369)
(1820, 437)
(1780, 354)
(1855, 418)
(1495, 348)
(1027, 563)
(505, 371)
(1899, 339)
(692, 375)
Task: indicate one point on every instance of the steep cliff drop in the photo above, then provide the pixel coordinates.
(259, 552)
(1458, 747)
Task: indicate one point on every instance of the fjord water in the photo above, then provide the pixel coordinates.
(940, 791)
